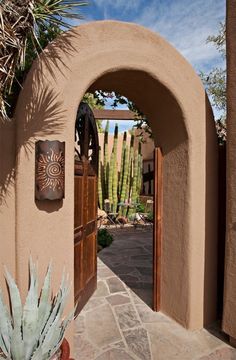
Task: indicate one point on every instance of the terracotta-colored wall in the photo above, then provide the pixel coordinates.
(7, 200)
(229, 316)
(93, 56)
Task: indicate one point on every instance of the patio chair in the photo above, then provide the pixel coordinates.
(148, 209)
(111, 215)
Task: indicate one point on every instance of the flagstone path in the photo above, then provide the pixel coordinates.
(117, 325)
(130, 257)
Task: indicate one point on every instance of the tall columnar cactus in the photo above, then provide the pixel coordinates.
(140, 175)
(135, 178)
(123, 154)
(128, 185)
(115, 141)
(110, 182)
(140, 170)
(100, 194)
(106, 161)
(114, 170)
(124, 178)
(130, 166)
(114, 184)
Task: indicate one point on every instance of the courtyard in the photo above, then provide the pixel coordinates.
(118, 323)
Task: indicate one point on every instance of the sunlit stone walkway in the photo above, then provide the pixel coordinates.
(118, 325)
(130, 256)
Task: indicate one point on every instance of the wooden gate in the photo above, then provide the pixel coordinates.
(157, 231)
(85, 208)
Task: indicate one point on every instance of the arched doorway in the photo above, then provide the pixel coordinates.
(145, 68)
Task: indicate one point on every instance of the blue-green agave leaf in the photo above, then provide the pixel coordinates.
(5, 327)
(30, 314)
(15, 298)
(17, 345)
(44, 305)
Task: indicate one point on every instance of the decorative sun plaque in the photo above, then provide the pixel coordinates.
(49, 170)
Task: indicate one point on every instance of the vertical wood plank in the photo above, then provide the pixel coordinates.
(85, 212)
(157, 231)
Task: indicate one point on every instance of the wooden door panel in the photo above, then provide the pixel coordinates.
(85, 213)
(92, 190)
(157, 231)
(78, 216)
(78, 280)
(89, 253)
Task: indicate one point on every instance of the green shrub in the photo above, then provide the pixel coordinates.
(150, 216)
(104, 238)
(140, 208)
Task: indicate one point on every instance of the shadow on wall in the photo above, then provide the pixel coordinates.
(7, 159)
(44, 114)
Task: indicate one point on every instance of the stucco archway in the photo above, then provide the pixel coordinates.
(142, 65)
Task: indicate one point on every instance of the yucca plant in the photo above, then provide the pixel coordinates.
(23, 24)
(34, 331)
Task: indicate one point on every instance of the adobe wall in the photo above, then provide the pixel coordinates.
(144, 67)
(7, 201)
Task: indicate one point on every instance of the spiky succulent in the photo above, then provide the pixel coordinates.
(34, 331)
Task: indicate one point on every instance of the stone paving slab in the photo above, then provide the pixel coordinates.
(116, 324)
(120, 326)
(130, 257)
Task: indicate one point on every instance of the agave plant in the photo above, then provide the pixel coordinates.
(21, 23)
(34, 331)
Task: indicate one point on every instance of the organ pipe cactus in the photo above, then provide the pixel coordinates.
(106, 161)
(140, 175)
(114, 169)
(129, 176)
(115, 141)
(114, 185)
(110, 182)
(140, 169)
(122, 163)
(135, 178)
(34, 331)
(124, 178)
(128, 185)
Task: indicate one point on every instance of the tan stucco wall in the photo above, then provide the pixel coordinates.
(143, 66)
(7, 200)
(229, 315)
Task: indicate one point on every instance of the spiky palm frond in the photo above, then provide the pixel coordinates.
(22, 21)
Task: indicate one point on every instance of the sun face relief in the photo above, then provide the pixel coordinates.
(51, 170)
(50, 174)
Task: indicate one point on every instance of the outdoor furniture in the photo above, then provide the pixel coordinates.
(148, 210)
(111, 216)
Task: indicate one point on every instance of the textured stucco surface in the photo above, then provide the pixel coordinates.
(142, 65)
(7, 200)
(229, 316)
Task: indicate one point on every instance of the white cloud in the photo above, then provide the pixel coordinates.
(186, 25)
(118, 5)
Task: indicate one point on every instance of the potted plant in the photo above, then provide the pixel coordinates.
(36, 330)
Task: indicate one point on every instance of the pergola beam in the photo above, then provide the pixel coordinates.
(114, 114)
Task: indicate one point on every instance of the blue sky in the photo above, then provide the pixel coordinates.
(184, 23)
